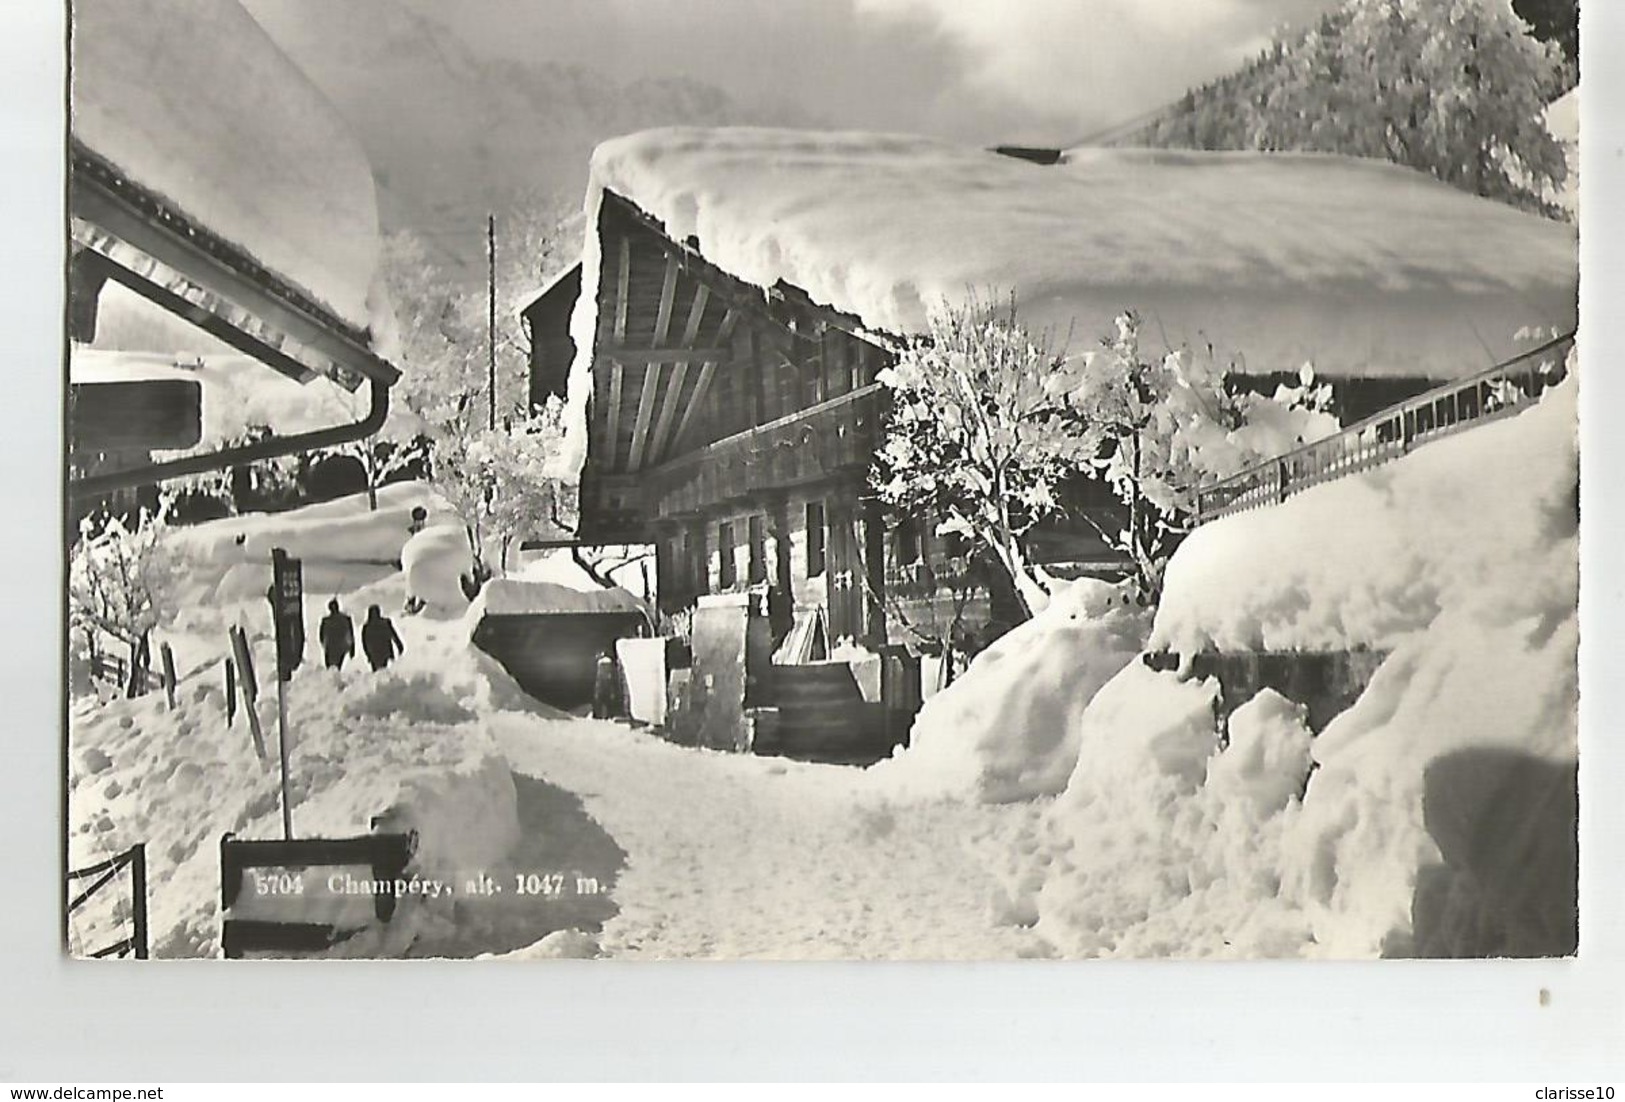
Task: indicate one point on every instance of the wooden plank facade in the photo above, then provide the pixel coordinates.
(734, 430)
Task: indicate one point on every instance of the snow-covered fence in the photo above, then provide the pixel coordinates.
(1489, 395)
(105, 873)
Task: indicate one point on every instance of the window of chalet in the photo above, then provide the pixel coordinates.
(837, 353)
(727, 569)
(906, 541)
(815, 538)
(757, 529)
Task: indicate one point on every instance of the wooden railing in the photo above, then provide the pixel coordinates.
(840, 434)
(1498, 392)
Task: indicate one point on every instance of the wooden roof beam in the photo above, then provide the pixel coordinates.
(646, 406)
(708, 369)
(623, 278)
(668, 408)
(668, 301)
(659, 354)
(617, 379)
(701, 385)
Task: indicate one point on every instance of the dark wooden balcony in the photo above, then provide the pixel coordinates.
(812, 445)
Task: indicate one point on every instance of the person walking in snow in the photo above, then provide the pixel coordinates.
(338, 636)
(378, 639)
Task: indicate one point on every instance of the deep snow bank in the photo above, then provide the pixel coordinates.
(343, 545)
(1461, 558)
(1484, 517)
(1008, 728)
(402, 745)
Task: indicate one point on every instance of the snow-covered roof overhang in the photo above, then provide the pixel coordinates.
(209, 174)
(1270, 260)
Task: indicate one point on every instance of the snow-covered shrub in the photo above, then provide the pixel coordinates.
(1267, 760)
(122, 577)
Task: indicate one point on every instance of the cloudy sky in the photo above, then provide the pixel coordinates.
(1049, 71)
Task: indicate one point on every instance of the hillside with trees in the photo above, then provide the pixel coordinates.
(1455, 88)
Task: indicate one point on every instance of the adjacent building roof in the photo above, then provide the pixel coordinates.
(192, 118)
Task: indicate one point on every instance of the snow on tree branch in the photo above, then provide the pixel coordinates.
(988, 422)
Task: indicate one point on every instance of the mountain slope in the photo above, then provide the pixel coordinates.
(453, 134)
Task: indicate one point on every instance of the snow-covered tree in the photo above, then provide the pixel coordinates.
(122, 576)
(988, 421)
(401, 441)
(979, 436)
(1157, 428)
(503, 484)
(444, 314)
(1454, 88)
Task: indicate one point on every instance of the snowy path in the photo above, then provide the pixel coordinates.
(737, 856)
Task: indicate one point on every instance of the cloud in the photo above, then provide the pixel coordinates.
(1093, 62)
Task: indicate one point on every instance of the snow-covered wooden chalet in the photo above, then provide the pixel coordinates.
(740, 290)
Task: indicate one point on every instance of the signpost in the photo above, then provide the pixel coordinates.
(288, 613)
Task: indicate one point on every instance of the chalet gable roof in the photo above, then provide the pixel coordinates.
(1266, 260)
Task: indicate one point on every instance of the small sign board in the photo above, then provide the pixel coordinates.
(293, 897)
(288, 609)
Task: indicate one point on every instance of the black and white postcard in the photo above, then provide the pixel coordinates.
(898, 479)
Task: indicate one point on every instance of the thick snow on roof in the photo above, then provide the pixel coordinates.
(518, 597)
(193, 101)
(1272, 259)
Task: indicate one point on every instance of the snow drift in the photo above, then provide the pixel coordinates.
(342, 543)
(1008, 728)
(520, 597)
(405, 750)
(437, 562)
(1164, 843)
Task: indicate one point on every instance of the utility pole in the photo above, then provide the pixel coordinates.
(491, 328)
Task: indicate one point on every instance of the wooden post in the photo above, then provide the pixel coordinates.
(282, 752)
(138, 899)
(167, 656)
(783, 564)
(231, 691)
(287, 610)
(249, 686)
(874, 574)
